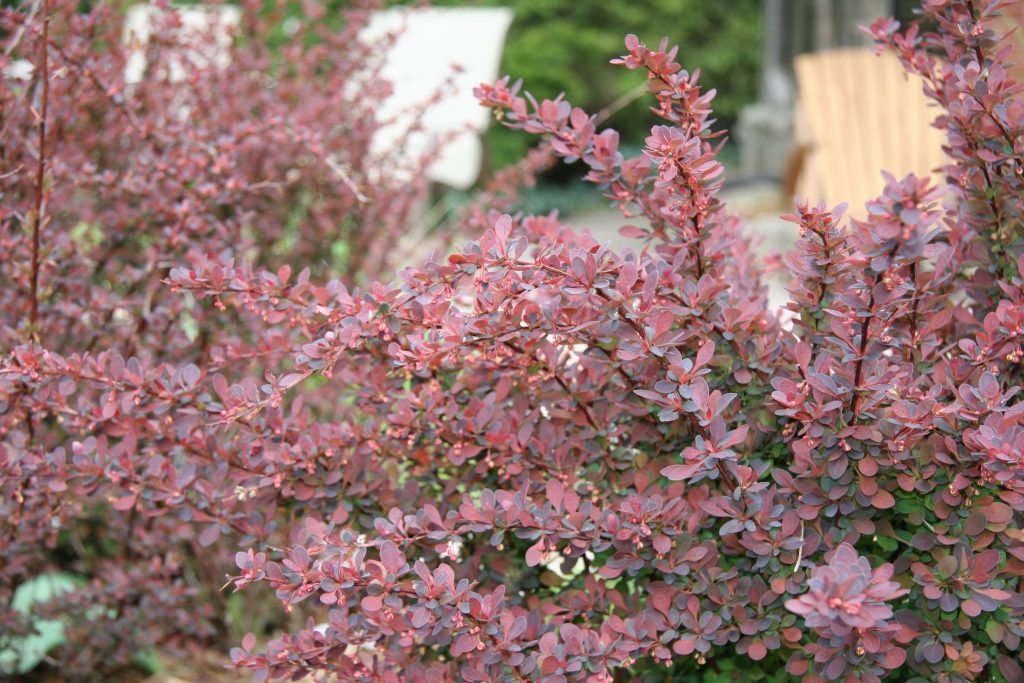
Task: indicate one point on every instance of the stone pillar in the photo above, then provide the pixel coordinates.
(850, 16)
(764, 129)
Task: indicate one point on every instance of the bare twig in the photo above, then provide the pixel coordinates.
(800, 550)
(345, 178)
(620, 103)
(5, 176)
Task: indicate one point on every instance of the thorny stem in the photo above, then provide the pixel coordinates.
(722, 469)
(822, 285)
(936, 87)
(991, 198)
(980, 56)
(580, 403)
(913, 311)
(43, 72)
(864, 329)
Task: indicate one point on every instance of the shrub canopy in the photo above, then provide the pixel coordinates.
(534, 459)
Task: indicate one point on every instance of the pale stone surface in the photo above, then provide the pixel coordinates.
(765, 135)
(431, 43)
(859, 112)
(454, 49)
(19, 70)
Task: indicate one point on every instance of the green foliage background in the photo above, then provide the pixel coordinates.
(565, 45)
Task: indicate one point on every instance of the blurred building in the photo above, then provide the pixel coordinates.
(831, 113)
(791, 27)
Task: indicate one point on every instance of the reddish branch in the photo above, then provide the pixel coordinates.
(43, 76)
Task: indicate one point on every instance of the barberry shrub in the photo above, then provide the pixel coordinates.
(541, 459)
(123, 157)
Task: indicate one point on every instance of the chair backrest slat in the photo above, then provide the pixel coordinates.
(859, 115)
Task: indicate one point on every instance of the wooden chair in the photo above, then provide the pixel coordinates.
(858, 113)
(1011, 23)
